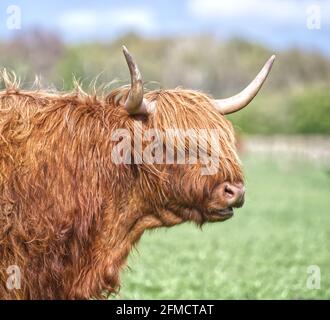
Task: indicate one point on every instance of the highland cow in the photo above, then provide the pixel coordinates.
(69, 215)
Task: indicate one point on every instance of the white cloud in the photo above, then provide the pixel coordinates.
(284, 11)
(140, 19)
(78, 19)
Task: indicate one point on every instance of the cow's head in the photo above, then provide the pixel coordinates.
(209, 183)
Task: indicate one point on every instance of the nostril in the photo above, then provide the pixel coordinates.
(229, 192)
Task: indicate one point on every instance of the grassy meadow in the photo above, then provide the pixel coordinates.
(263, 252)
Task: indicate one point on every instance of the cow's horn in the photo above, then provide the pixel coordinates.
(135, 104)
(242, 99)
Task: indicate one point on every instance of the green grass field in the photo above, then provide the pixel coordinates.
(263, 252)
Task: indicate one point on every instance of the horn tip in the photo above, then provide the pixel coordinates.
(272, 59)
(270, 62)
(127, 55)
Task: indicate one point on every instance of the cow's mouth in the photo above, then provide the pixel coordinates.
(220, 214)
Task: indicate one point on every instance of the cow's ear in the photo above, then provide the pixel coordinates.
(135, 103)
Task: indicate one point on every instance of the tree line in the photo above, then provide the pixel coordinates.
(295, 98)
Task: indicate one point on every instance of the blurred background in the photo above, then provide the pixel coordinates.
(217, 47)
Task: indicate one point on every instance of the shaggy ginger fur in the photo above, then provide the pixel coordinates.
(69, 216)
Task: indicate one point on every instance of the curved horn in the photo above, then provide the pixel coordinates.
(134, 103)
(242, 99)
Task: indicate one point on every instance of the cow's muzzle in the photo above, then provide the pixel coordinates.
(233, 194)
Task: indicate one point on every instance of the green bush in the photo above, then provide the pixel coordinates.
(310, 112)
(305, 111)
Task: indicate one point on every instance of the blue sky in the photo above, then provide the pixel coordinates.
(275, 23)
